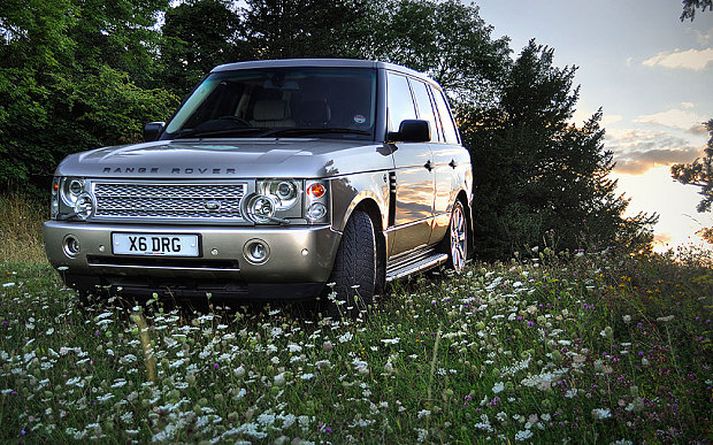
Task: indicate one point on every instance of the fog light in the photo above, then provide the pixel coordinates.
(256, 251)
(71, 246)
(316, 211)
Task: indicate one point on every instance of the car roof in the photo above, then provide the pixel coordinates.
(326, 63)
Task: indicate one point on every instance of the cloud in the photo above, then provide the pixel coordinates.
(609, 119)
(692, 59)
(704, 38)
(662, 238)
(638, 162)
(680, 118)
(637, 151)
(698, 129)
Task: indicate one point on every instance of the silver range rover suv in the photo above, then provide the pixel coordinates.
(272, 180)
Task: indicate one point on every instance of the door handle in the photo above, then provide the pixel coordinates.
(428, 165)
(453, 163)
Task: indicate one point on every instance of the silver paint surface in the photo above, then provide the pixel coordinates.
(357, 171)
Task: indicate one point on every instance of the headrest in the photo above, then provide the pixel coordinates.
(270, 110)
(313, 112)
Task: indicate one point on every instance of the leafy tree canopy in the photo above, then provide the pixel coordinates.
(700, 174)
(198, 35)
(691, 6)
(539, 179)
(449, 41)
(77, 74)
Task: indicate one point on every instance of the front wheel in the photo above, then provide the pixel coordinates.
(355, 268)
(458, 238)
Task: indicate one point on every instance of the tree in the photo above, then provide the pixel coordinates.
(537, 177)
(690, 7)
(74, 75)
(449, 41)
(199, 35)
(700, 173)
(307, 28)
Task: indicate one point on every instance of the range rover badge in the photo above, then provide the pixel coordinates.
(212, 205)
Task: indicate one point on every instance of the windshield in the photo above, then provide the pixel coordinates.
(294, 102)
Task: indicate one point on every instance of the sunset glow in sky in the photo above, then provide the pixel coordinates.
(653, 76)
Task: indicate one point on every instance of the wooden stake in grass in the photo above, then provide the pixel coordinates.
(149, 359)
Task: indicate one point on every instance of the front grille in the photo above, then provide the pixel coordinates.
(169, 201)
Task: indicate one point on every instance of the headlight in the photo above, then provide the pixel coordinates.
(70, 190)
(286, 192)
(71, 199)
(278, 201)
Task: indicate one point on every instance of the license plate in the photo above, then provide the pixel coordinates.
(159, 244)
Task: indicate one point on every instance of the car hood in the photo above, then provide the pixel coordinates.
(229, 158)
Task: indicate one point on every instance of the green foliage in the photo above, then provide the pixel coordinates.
(589, 349)
(449, 41)
(538, 178)
(81, 74)
(308, 28)
(700, 174)
(69, 81)
(199, 35)
(691, 6)
(21, 228)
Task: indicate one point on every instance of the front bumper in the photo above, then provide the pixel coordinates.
(299, 256)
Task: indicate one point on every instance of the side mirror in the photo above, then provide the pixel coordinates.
(153, 130)
(412, 130)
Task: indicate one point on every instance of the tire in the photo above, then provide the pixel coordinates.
(355, 269)
(457, 238)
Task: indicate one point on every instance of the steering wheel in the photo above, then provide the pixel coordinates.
(236, 119)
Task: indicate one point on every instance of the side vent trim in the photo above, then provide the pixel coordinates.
(392, 198)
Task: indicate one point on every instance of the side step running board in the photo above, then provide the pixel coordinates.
(426, 263)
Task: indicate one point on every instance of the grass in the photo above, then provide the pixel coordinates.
(21, 228)
(585, 349)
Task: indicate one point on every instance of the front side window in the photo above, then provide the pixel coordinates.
(314, 102)
(449, 128)
(400, 103)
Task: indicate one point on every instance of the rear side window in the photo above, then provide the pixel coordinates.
(425, 109)
(400, 102)
(449, 128)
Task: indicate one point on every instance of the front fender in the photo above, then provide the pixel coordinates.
(350, 191)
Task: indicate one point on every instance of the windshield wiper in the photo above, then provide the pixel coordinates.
(198, 133)
(307, 131)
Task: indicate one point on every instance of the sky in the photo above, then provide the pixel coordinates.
(653, 76)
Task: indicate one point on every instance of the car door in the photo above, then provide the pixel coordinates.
(414, 179)
(450, 164)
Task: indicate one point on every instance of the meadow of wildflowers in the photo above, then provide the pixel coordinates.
(586, 349)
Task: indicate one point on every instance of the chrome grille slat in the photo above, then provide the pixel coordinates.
(168, 201)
